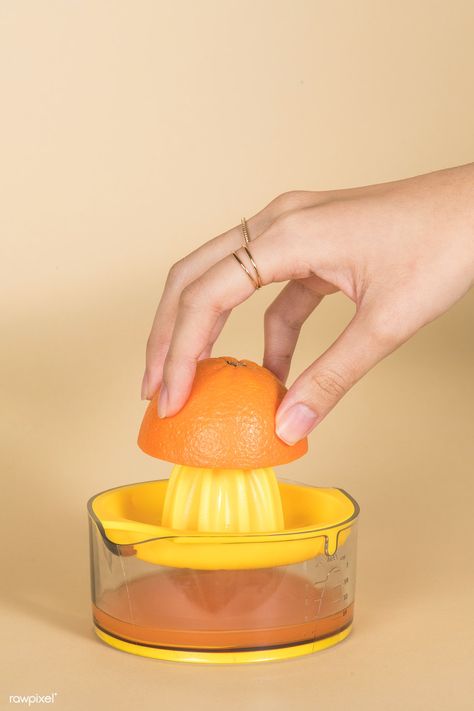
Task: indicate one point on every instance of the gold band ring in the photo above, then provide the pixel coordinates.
(258, 279)
(255, 279)
(245, 232)
(256, 282)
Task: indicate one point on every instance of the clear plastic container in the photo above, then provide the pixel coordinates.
(186, 596)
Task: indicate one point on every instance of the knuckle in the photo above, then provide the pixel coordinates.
(332, 383)
(293, 200)
(196, 297)
(387, 327)
(177, 272)
(189, 295)
(274, 317)
(270, 316)
(287, 201)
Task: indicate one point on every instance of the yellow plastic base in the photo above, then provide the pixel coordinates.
(260, 655)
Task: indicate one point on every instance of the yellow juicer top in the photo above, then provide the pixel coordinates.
(316, 521)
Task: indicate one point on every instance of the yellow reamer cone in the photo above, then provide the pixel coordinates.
(223, 500)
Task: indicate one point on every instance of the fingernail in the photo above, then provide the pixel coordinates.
(163, 401)
(295, 423)
(144, 390)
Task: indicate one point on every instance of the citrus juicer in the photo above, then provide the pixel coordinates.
(223, 562)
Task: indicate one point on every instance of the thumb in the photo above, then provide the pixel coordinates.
(320, 387)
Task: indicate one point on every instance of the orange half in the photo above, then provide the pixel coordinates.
(228, 421)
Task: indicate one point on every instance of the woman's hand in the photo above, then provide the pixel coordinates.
(402, 251)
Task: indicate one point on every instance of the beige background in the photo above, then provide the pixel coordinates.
(130, 133)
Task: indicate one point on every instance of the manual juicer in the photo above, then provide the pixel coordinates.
(222, 563)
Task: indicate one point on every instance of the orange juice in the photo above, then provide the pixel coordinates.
(222, 609)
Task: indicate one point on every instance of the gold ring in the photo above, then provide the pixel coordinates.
(257, 273)
(245, 232)
(256, 280)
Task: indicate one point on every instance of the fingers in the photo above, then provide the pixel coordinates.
(365, 341)
(190, 268)
(217, 291)
(181, 274)
(283, 321)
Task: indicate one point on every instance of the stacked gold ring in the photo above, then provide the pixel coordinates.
(254, 278)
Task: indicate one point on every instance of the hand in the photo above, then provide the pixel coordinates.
(402, 251)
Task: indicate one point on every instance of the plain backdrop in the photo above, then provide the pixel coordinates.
(130, 132)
